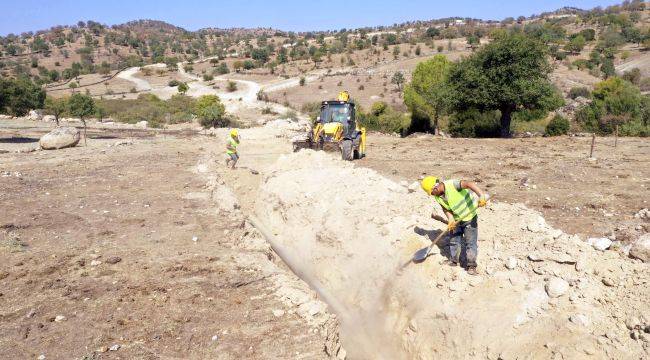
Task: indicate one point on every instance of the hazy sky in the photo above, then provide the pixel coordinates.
(17, 16)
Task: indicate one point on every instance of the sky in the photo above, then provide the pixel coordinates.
(18, 16)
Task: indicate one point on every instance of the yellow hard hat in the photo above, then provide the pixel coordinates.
(234, 132)
(428, 183)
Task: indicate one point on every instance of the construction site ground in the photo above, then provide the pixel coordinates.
(137, 246)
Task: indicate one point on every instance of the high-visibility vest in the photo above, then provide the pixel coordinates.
(459, 203)
(233, 143)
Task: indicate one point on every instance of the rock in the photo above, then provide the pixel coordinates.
(195, 238)
(142, 124)
(632, 323)
(641, 248)
(579, 319)
(556, 287)
(511, 263)
(95, 263)
(41, 357)
(580, 265)
(278, 312)
(113, 260)
(49, 118)
(342, 354)
(31, 313)
(414, 187)
(215, 338)
(601, 244)
(35, 115)
(114, 347)
(609, 282)
(60, 318)
(642, 214)
(59, 138)
(561, 258)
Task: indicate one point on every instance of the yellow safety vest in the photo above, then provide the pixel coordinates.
(459, 203)
(233, 143)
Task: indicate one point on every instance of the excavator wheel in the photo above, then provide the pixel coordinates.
(346, 150)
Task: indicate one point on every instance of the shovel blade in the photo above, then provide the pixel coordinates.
(421, 254)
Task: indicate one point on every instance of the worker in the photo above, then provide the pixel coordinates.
(462, 221)
(231, 148)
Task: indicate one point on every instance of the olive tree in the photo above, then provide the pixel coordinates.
(55, 107)
(81, 105)
(509, 74)
(426, 94)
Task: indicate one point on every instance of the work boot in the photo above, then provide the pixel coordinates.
(450, 263)
(472, 270)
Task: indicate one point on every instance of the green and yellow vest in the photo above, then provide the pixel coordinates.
(459, 203)
(232, 143)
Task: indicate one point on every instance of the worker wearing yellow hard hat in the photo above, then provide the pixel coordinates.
(231, 148)
(460, 207)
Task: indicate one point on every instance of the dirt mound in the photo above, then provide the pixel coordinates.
(355, 229)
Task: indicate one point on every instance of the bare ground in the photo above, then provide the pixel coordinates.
(68, 215)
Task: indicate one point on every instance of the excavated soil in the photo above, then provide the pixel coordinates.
(353, 229)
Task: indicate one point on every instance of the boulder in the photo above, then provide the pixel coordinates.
(641, 248)
(49, 118)
(142, 124)
(35, 115)
(60, 138)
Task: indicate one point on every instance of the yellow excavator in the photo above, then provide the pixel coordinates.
(335, 129)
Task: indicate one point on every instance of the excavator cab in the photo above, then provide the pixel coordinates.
(336, 129)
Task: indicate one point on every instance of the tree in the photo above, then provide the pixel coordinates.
(426, 94)
(182, 88)
(576, 44)
(398, 80)
(432, 32)
(473, 41)
(508, 74)
(18, 96)
(81, 105)
(211, 111)
(55, 107)
(607, 67)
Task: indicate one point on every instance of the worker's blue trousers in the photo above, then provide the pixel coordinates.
(465, 237)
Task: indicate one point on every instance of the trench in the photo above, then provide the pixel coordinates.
(347, 231)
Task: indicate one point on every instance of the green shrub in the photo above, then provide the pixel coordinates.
(557, 126)
(473, 123)
(173, 83)
(232, 86)
(579, 91)
(150, 108)
(208, 77)
(211, 112)
(389, 121)
(378, 108)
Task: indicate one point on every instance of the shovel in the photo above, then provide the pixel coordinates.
(422, 254)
